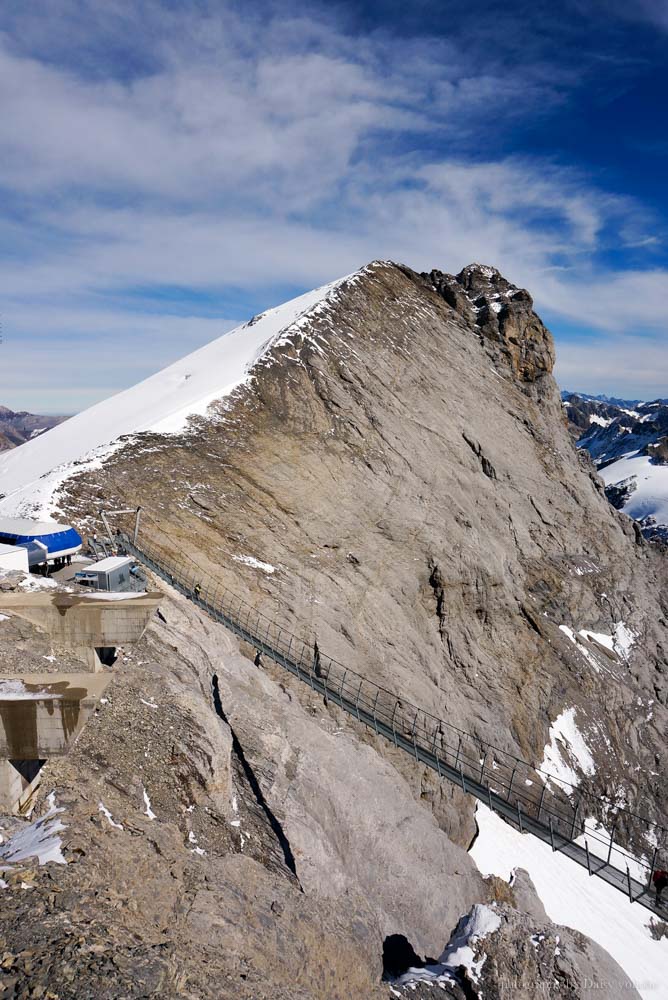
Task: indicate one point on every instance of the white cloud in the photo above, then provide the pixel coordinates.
(228, 152)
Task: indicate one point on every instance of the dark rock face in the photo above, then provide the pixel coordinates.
(503, 314)
(609, 431)
(583, 413)
(658, 451)
(619, 493)
(15, 428)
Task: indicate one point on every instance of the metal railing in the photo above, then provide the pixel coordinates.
(533, 801)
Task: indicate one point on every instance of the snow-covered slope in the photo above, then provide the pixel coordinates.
(649, 497)
(628, 441)
(31, 473)
(571, 897)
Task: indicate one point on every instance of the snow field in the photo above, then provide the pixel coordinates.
(573, 898)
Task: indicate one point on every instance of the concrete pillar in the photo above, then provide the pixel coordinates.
(18, 781)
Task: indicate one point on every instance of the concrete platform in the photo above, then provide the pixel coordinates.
(85, 622)
(42, 714)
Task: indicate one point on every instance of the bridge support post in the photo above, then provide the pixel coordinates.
(552, 834)
(373, 710)
(510, 786)
(394, 712)
(628, 880)
(540, 804)
(435, 753)
(413, 734)
(343, 681)
(459, 747)
(357, 700)
(651, 869)
(612, 837)
(575, 816)
(489, 797)
(519, 816)
(588, 858)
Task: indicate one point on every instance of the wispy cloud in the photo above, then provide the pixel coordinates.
(154, 155)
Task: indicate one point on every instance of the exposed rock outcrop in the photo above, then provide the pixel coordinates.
(406, 472)
(397, 480)
(504, 316)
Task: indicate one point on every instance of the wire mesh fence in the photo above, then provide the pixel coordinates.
(532, 800)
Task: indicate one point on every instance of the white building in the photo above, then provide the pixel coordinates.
(13, 557)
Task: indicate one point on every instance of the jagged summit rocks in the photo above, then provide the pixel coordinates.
(502, 313)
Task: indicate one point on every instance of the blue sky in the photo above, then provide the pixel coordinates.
(169, 168)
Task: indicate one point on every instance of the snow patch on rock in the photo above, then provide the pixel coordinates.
(255, 563)
(566, 750)
(14, 689)
(460, 951)
(571, 897)
(39, 840)
(105, 812)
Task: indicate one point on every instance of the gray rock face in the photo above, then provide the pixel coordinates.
(402, 463)
(511, 949)
(526, 957)
(283, 851)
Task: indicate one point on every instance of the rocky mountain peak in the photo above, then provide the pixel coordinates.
(368, 467)
(504, 316)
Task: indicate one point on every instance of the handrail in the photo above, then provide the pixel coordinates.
(502, 781)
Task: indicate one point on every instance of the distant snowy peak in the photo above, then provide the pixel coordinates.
(163, 403)
(629, 445)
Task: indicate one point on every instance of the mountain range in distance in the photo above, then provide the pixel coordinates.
(17, 427)
(628, 443)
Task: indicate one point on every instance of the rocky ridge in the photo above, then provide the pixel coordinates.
(406, 477)
(396, 479)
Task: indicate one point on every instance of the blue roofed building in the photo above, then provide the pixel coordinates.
(45, 541)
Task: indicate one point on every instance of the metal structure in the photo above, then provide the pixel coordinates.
(105, 514)
(529, 799)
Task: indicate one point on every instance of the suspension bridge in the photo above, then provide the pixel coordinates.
(532, 801)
